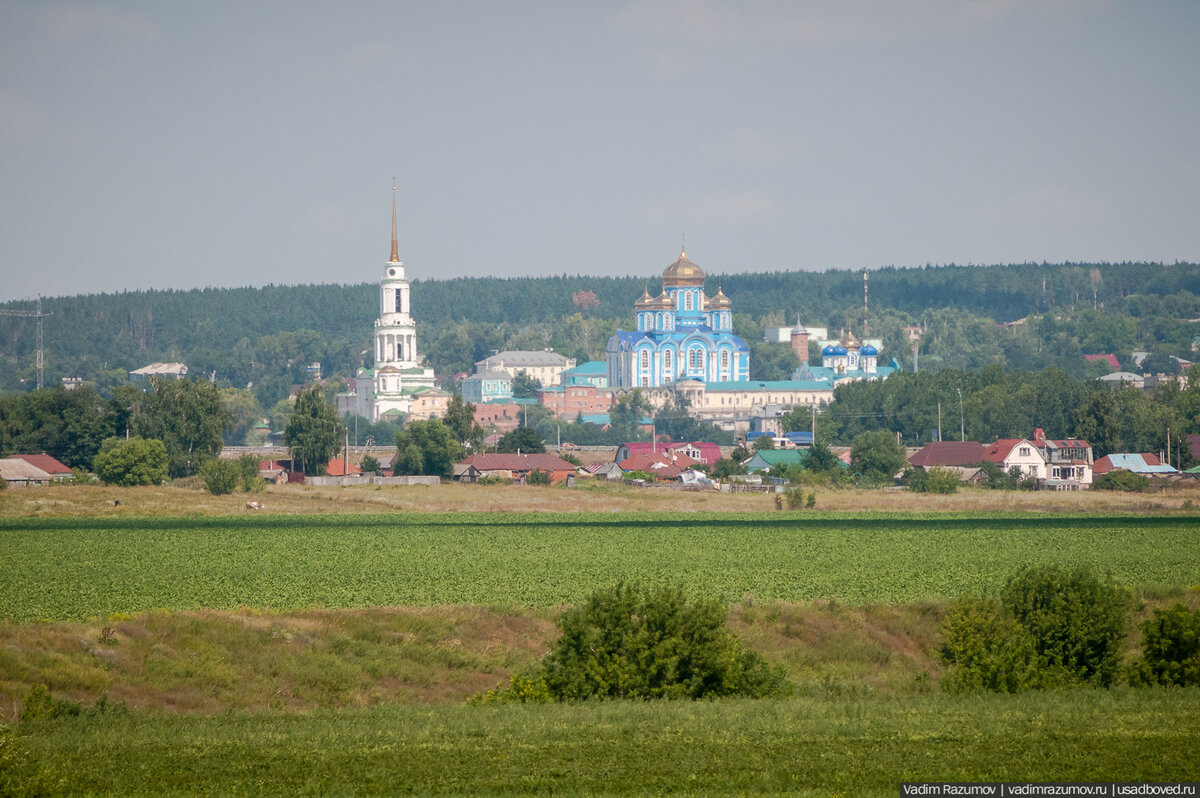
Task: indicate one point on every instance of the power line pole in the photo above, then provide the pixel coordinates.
(37, 314)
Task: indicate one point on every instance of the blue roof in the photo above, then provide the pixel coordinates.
(1137, 464)
(869, 350)
(832, 350)
(599, 419)
(590, 367)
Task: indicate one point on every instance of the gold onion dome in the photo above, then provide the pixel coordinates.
(682, 272)
(661, 302)
(720, 301)
(644, 301)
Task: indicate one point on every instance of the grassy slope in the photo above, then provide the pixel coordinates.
(73, 569)
(805, 746)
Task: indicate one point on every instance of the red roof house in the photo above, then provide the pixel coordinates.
(513, 466)
(664, 465)
(338, 468)
(1109, 359)
(46, 463)
(699, 451)
(949, 453)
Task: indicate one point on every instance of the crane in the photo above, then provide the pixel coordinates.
(37, 314)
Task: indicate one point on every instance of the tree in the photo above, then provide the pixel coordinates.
(820, 459)
(313, 432)
(523, 439)
(726, 468)
(188, 417)
(1170, 647)
(426, 447)
(877, 455)
(524, 386)
(627, 414)
(460, 417)
(369, 464)
(136, 461)
(763, 442)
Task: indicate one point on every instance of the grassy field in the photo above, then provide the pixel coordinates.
(73, 569)
(187, 497)
(804, 746)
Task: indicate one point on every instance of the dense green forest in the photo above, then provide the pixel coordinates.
(264, 338)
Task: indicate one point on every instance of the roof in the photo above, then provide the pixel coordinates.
(999, 451)
(682, 272)
(160, 368)
(949, 453)
(517, 462)
(517, 358)
(1122, 376)
(46, 463)
(488, 374)
(709, 452)
(337, 468)
(768, 385)
(1137, 463)
(768, 458)
(590, 367)
(661, 464)
(16, 470)
(1109, 359)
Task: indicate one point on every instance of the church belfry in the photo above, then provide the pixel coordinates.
(398, 372)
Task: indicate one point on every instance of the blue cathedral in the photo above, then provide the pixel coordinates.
(682, 334)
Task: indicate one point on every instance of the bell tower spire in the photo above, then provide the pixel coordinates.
(395, 244)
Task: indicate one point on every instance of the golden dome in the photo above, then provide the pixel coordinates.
(682, 272)
(719, 301)
(661, 302)
(644, 301)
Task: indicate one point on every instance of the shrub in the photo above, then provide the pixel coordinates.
(986, 649)
(39, 705)
(248, 471)
(1050, 627)
(221, 476)
(1121, 480)
(1077, 621)
(539, 478)
(3, 483)
(939, 480)
(795, 497)
(1170, 648)
(631, 642)
(369, 464)
(133, 461)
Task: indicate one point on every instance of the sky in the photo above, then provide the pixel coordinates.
(185, 145)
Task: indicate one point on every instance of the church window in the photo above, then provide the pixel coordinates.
(645, 360)
(695, 359)
(667, 361)
(687, 301)
(399, 350)
(724, 360)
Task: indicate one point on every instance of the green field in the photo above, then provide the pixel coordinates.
(75, 569)
(804, 746)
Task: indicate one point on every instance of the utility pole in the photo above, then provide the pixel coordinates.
(939, 422)
(37, 314)
(962, 419)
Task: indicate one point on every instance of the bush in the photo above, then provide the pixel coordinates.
(631, 642)
(1121, 480)
(937, 480)
(1077, 621)
(1170, 648)
(539, 478)
(133, 461)
(221, 476)
(3, 483)
(986, 649)
(248, 471)
(1050, 627)
(369, 464)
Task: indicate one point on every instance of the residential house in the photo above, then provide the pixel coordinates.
(546, 366)
(766, 459)
(428, 403)
(570, 401)
(948, 453)
(1009, 453)
(1146, 464)
(698, 451)
(593, 372)
(513, 466)
(663, 465)
(57, 471)
(174, 371)
(18, 473)
(1068, 461)
(488, 385)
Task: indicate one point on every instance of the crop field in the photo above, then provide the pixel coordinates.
(63, 569)
(803, 746)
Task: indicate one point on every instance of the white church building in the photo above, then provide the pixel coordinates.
(399, 376)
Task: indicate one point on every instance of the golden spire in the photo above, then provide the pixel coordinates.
(395, 243)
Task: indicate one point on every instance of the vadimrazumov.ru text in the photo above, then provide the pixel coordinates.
(933, 789)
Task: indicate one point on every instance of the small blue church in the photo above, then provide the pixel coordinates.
(682, 334)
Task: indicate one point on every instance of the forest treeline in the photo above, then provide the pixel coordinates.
(263, 339)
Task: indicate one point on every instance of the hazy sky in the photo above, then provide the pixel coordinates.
(180, 145)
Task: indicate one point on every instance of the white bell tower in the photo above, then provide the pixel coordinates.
(395, 333)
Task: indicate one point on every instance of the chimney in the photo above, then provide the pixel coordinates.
(1039, 435)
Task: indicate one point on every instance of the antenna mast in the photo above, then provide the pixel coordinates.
(36, 314)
